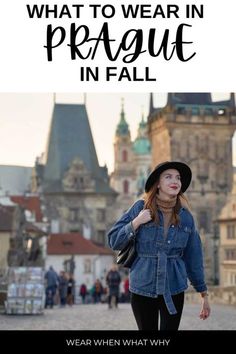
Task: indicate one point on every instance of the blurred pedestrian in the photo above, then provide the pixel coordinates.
(98, 291)
(52, 281)
(126, 290)
(113, 280)
(62, 287)
(83, 292)
(70, 290)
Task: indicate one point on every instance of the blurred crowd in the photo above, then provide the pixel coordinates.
(61, 289)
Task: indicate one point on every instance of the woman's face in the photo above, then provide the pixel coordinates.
(169, 184)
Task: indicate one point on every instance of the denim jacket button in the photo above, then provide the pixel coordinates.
(168, 241)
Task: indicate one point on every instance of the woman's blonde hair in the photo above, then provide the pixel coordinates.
(150, 202)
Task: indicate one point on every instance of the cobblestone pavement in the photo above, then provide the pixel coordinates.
(98, 317)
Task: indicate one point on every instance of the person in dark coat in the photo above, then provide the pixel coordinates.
(71, 290)
(52, 281)
(113, 280)
(63, 285)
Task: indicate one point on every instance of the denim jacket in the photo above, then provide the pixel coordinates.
(162, 265)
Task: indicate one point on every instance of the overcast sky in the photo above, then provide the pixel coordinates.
(25, 121)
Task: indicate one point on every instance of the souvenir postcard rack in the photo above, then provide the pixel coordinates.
(25, 293)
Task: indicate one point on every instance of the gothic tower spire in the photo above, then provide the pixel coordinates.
(122, 127)
(151, 106)
(232, 101)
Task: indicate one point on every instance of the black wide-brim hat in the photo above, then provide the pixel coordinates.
(184, 171)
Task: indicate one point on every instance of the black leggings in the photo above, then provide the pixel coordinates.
(147, 309)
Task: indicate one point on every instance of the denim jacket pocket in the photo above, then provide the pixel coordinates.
(149, 224)
(182, 235)
(148, 232)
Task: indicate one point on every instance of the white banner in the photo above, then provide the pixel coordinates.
(117, 46)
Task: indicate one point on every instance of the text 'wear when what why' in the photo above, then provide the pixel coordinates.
(117, 342)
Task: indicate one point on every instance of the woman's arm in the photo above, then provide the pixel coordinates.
(123, 229)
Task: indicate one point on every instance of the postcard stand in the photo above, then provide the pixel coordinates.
(25, 294)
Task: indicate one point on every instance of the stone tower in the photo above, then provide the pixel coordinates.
(75, 189)
(194, 129)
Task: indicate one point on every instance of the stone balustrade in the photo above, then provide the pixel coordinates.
(217, 295)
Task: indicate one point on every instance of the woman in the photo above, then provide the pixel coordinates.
(168, 249)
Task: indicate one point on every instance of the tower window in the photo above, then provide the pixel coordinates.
(74, 214)
(124, 156)
(203, 220)
(101, 236)
(230, 254)
(87, 266)
(100, 215)
(126, 187)
(231, 234)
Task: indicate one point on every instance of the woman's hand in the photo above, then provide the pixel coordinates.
(205, 310)
(143, 217)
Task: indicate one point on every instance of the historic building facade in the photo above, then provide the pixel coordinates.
(132, 163)
(194, 129)
(74, 188)
(227, 244)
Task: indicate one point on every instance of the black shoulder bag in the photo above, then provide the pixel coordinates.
(127, 254)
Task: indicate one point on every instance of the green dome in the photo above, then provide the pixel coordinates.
(122, 128)
(142, 146)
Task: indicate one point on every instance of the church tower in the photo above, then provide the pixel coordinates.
(142, 156)
(132, 163)
(198, 131)
(123, 179)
